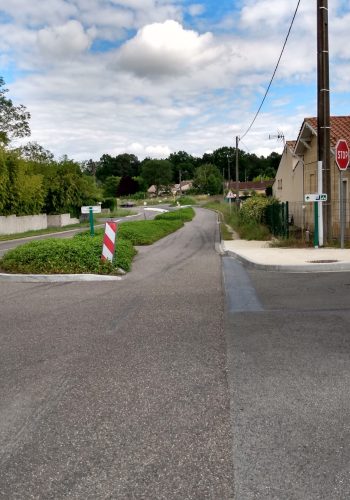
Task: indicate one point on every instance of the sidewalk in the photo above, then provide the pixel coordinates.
(258, 254)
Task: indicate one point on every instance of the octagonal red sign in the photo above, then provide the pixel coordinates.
(342, 154)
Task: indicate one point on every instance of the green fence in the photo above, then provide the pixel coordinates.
(277, 219)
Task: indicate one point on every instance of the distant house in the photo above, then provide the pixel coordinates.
(302, 156)
(258, 186)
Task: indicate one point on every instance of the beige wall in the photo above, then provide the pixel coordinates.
(310, 186)
(12, 224)
(288, 185)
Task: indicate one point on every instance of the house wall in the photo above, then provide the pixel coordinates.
(311, 186)
(288, 185)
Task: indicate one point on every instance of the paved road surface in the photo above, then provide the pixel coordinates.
(162, 386)
(288, 339)
(119, 390)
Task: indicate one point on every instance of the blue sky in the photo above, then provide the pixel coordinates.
(151, 77)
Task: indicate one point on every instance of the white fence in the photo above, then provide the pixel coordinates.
(12, 224)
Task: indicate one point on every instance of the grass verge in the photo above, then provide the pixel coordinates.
(82, 253)
(246, 230)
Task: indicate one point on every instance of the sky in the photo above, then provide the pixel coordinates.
(152, 77)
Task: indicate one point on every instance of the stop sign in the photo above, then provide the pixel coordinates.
(342, 154)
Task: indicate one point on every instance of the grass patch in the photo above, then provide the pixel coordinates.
(185, 200)
(82, 253)
(250, 230)
(49, 230)
(74, 256)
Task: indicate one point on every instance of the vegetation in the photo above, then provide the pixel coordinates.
(14, 120)
(248, 229)
(32, 181)
(82, 254)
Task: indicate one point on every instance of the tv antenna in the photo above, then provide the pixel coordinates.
(279, 136)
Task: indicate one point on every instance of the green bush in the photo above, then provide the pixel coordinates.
(73, 256)
(147, 232)
(82, 254)
(254, 208)
(186, 200)
(110, 203)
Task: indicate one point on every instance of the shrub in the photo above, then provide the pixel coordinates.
(76, 255)
(254, 208)
(110, 203)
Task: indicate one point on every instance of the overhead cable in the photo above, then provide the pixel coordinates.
(274, 73)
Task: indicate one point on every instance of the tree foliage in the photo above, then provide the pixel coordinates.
(157, 173)
(14, 120)
(207, 179)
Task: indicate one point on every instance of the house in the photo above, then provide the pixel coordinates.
(258, 186)
(289, 182)
(302, 156)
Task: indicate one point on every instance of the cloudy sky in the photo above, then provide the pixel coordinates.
(151, 77)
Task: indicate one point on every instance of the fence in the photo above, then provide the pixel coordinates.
(302, 216)
(277, 219)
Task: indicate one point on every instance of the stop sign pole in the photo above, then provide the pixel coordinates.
(342, 160)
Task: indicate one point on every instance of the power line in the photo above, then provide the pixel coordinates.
(274, 73)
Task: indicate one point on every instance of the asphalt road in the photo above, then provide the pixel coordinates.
(119, 390)
(192, 378)
(288, 348)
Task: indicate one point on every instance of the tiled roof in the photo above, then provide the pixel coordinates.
(291, 145)
(340, 128)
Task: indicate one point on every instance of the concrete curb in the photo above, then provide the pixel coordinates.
(56, 278)
(288, 268)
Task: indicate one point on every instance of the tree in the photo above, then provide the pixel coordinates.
(183, 165)
(34, 152)
(13, 119)
(127, 186)
(110, 186)
(157, 172)
(207, 179)
(118, 166)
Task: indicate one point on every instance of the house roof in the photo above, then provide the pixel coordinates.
(340, 129)
(291, 145)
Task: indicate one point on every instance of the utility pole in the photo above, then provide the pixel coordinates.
(237, 175)
(228, 171)
(323, 116)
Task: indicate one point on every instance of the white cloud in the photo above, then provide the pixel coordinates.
(196, 9)
(166, 49)
(63, 41)
(170, 86)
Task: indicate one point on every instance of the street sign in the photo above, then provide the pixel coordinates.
(316, 197)
(342, 154)
(230, 195)
(95, 209)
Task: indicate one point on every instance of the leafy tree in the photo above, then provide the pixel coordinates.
(183, 165)
(34, 152)
(207, 179)
(22, 191)
(118, 166)
(127, 186)
(110, 186)
(13, 119)
(89, 167)
(4, 181)
(157, 172)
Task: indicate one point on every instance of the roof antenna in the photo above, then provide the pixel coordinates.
(279, 136)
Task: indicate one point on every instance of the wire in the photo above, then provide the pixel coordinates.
(274, 73)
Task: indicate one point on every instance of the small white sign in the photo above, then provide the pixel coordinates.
(316, 197)
(230, 195)
(95, 209)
